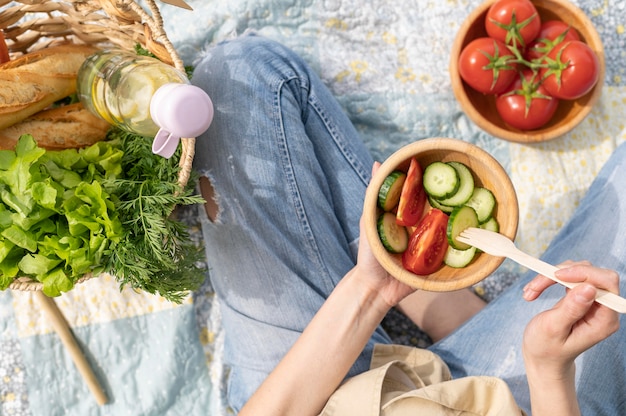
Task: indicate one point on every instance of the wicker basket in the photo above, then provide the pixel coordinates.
(30, 25)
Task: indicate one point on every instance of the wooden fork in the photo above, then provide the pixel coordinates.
(499, 245)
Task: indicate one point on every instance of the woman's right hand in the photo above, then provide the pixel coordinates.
(554, 338)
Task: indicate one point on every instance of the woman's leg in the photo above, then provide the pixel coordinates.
(490, 343)
(289, 172)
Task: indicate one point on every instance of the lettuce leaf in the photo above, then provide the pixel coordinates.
(57, 221)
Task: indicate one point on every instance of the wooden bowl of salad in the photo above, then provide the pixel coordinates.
(421, 196)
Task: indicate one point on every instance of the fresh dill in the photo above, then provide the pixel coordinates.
(156, 253)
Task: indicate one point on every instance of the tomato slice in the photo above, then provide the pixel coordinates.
(413, 196)
(428, 244)
(4, 51)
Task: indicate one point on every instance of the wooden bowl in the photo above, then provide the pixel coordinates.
(487, 173)
(481, 109)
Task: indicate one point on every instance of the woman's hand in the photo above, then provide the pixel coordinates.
(554, 338)
(373, 274)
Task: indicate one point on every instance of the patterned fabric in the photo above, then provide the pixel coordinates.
(387, 63)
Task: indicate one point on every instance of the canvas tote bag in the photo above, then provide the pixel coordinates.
(407, 381)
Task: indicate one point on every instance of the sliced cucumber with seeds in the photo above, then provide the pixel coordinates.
(466, 186)
(436, 204)
(491, 224)
(390, 190)
(461, 218)
(395, 238)
(441, 180)
(483, 202)
(459, 258)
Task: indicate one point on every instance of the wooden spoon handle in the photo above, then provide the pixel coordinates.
(60, 325)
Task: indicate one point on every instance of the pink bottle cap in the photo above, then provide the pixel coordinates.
(180, 110)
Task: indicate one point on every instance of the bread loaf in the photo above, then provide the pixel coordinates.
(36, 80)
(70, 126)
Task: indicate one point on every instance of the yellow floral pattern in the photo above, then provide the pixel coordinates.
(551, 177)
(94, 301)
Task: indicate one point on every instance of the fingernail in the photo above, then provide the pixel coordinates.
(527, 292)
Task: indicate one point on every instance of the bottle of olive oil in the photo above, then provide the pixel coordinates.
(144, 96)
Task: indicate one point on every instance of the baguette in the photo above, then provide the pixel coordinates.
(70, 126)
(36, 80)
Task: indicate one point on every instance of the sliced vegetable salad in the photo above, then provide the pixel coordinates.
(443, 200)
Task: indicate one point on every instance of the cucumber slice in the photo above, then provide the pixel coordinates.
(483, 202)
(436, 204)
(466, 186)
(390, 190)
(395, 238)
(459, 258)
(440, 180)
(491, 224)
(461, 218)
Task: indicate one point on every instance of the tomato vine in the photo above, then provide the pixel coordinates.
(518, 41)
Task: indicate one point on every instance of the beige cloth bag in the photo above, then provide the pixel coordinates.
(407, 381)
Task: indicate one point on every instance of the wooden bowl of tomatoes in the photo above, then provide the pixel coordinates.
(425, 222)
(531, 87)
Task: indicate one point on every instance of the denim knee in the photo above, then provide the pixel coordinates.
(246, 58)
(245, 78)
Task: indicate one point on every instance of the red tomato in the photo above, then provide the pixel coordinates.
(412, 198)
(428, 244)
(4, 51)
(527, 105)
(551, 34)
(514, 22)
(572, 70)
(487, 65)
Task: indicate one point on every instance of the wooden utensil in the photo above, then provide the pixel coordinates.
(499, 245)
(62, 328)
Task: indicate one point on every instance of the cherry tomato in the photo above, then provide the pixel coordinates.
(514, 22)
(487, 65)
(527, 105)
(427, 245)
(412, 198)
(572, 70)
(4, 51)
(551, 34)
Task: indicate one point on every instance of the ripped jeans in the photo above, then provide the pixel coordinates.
(289, 172)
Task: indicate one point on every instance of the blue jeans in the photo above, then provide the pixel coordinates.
(289, 173)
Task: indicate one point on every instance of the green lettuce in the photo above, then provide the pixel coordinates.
(57, 221)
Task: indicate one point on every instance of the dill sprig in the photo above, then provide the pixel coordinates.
(156, 254)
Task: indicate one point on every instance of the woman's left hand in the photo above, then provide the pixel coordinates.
(391, 289)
